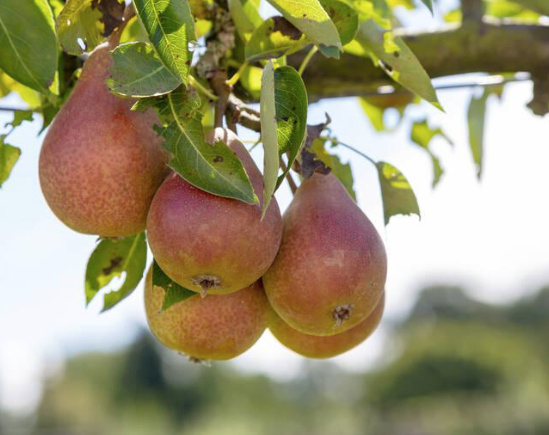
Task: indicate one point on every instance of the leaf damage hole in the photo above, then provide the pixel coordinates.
(218, 159)
(115, 263)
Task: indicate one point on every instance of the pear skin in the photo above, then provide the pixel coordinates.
(330, 271)
(211, 244)
(312, 346)
(101, 163)
(218, 327)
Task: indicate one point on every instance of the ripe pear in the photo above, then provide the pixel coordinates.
(211, 244)
(101, 163)
(218, 327)
(330, 271)
(313, 346)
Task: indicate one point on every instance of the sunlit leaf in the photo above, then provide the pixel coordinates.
(310, 17)
(396, 192)
(475, 118)
(344, 17)
(8, 158)
(116, 258)
(28, 45)
(246, 18)
(170, 27)
(392, 54)
(84, 24)
(374, 114)
(341, 170)
(274, 38)
(269, 135)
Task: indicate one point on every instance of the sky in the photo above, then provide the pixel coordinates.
(489, 236)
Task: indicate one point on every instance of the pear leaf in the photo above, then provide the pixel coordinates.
(114, 258)
(391, 53)
(246, 18)
(476, 115)
(84, 24)
(396, 192)
(28, 44)
(291, 114)
(269, 138)
(274, 38)
(174, 293)
(138, 72)
(9, 155)
(214, 168)
(310, 17)
(344, 16)
(170, 26)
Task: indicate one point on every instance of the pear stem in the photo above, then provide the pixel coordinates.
(289, 179)
(202, 89)
(360, 153)
(236, 77)
(307, 59)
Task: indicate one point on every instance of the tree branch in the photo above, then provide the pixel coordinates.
(490, 46)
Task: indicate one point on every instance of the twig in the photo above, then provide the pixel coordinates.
(289, 178)
(218, 82)
(129, 13)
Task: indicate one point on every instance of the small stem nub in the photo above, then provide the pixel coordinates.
(342, 313)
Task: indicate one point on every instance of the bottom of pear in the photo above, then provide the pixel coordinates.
(206, 283)
(342, 313)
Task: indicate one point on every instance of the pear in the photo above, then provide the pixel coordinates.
(208, 243)
(330, 271)
(218, 327)
(101, 163)
(313, 346)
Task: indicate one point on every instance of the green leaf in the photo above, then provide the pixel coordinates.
(422, 134)
(429, 4)
(476, 115)
(397, 60)
(28, 44)
(214, 168)
(269, 138)
(291, 114)
(246, 18)
(374, 114)
(310, 17)
(170, 27)
(341, 170)
(274, 38)
(20, 116)
(396, 192)
(114, 258)
(138, 72)
(174, 293)
(344, 16)
(84, 24)
(8, 158)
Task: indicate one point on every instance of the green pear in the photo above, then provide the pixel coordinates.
(330, 271)
(101, 163)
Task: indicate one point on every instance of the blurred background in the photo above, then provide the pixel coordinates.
(461, 350)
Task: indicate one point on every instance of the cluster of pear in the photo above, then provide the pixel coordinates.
(314, 277)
